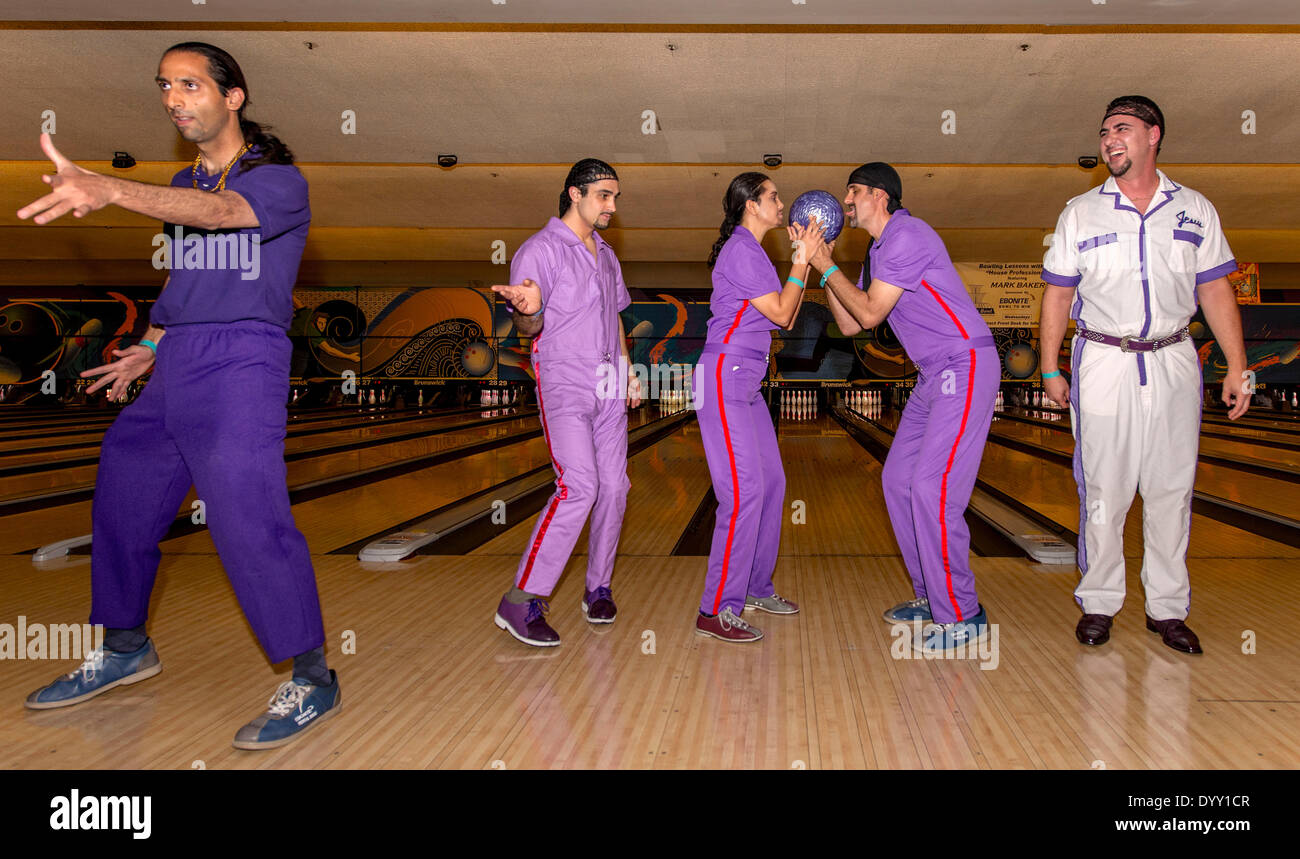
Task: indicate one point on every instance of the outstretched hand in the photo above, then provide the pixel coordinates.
(525, 297)
(75, 189)
(133, 362)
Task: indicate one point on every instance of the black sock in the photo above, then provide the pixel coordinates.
(310, 666)
(125, 640)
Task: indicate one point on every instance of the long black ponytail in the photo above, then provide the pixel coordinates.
(227, 75)
(745, 187)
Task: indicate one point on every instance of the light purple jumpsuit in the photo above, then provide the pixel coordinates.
(584, 423)
(931, 468)
(736, 427)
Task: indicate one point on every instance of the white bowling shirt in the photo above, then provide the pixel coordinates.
(1136, 275)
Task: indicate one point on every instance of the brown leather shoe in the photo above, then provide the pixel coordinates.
(1093, 629)
(1174, 633)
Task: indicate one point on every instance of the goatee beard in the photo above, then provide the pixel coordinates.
(1123, 168)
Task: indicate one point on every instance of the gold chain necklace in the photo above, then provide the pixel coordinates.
(221, 183)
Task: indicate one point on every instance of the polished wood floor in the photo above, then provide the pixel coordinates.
(434, 684)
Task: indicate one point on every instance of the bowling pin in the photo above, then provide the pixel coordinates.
(419, 401)
(373, 400)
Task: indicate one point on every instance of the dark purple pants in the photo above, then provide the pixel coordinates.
(212, 415)
(930, 473)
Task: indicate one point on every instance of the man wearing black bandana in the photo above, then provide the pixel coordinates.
(566, 292)
(1129, 262)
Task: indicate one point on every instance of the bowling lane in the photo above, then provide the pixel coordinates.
(1256, 418)
(1239, 450)
(330, 463)
(1270, 438)
(344, 517)
(1270, 494)
(300, 424)
(299, 438)
(24, 531)
(837, 484)
(832, 484)
(668, 481)
(1049, 488)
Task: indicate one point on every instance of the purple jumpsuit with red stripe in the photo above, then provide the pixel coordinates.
(736, 427)
(931, 468)
(576, 359)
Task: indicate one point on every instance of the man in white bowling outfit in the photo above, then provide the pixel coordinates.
(1128, 262)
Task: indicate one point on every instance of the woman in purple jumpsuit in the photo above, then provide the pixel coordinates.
(749, 302)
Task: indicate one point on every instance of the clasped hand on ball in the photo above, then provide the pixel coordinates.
(807, 241)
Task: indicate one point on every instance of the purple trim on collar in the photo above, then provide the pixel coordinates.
(1101, 189)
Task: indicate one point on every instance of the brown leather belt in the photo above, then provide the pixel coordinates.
(1133, 344)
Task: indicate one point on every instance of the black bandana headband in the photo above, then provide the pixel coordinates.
(589, 170)
(1140, 107)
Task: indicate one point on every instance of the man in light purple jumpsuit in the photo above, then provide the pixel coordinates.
(931, 468)
(568, 289)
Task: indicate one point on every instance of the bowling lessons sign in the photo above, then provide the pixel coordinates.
(1007, 294)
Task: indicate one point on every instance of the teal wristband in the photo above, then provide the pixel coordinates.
(1051, 375)
(828, 274)
(153, 347)
(796, 280)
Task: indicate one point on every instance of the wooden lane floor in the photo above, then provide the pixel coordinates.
(1270, 494)
(434, 684)
(1257, 418)
(303, 466)
(91, 434)
(830, 688)
(668, 486)
(667, 483)
(1049, 488)
(343, 517)
(1241, 449)
(24, 531)
(298, 439)
(837, 485)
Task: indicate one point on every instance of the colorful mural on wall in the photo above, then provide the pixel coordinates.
(465, 333)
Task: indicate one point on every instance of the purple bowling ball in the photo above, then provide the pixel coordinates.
(821, 205)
